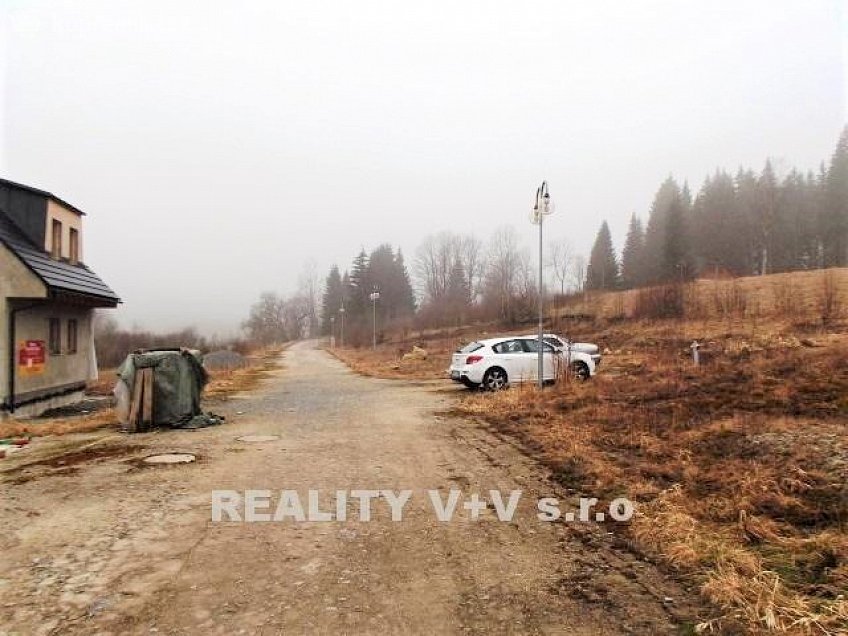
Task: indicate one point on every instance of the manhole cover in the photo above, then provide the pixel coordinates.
(170, 458)
(258, 438)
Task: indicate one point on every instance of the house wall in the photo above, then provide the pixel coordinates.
(69, 219)
(60, 370)
(16, 281)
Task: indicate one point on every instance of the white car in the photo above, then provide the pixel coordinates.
(497, 362)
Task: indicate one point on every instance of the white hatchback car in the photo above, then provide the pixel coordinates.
(497, 362)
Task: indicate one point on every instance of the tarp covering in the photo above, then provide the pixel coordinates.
(178, 381)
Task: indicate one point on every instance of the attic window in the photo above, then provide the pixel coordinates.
(74, 246)
(56, 243)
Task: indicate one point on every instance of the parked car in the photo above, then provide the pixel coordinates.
(583, 358)
(498, 362)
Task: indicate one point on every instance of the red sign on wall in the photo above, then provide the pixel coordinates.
(32, 354)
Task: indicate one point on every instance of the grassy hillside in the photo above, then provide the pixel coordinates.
(739, 467)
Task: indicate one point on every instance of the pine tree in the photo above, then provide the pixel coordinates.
(358, 288)
(836, 206)
(406, 295)
(676, 256)
(633, 255)
(747, 195)
(655, 231)
(602, 272)
(765, 211)
(719, 233)
(332, 300)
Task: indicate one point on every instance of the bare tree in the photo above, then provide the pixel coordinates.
(434, 260)
(559, 261)
(472, 258)
(578, 272)
(265, 323)
(507, 273)
(309, 289)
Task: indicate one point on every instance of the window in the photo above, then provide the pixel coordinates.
(55, 342)
(72, 336)
(474, 346)
(74, 246)
(532, 346)
(56, 244)
(510, 346)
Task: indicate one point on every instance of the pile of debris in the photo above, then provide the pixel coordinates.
(162, 388)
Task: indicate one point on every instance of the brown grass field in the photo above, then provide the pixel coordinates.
(738, 467)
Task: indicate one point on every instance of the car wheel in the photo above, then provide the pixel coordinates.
(495, 379)
(580, 371)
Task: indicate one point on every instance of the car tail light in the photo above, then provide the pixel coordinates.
(473, 359)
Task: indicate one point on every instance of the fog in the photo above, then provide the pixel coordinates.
(217, 146)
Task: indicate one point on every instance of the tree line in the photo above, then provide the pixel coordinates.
(741, 225)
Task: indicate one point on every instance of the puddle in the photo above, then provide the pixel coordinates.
(258, 438)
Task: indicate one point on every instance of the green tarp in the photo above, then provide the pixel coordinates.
(178, 381)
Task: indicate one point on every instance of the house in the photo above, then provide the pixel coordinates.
(47, 302)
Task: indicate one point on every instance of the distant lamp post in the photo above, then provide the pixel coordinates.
(542, 207)
(332, 332)
(341, 317)
(375, 296)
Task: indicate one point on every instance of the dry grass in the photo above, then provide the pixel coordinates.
(738, 468)
(815, 296)
(226, 382)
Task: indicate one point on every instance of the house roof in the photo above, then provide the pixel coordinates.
(44, 193)
(58, 276)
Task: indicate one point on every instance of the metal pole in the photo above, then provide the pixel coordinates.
(342, 313)
(541, 307)
(374, 336)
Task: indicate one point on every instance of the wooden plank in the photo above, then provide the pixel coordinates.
(147, 399)
(135, 402)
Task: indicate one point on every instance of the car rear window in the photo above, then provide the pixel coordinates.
(470, 347)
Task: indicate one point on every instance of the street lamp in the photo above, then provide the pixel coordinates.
(375, 296)
(332, 332)
(542, 207)
(341, 316)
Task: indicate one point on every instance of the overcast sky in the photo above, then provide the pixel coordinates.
(218, 145)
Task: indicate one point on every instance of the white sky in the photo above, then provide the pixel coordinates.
(218, 145)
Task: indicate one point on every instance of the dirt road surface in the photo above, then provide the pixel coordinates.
(92, 541)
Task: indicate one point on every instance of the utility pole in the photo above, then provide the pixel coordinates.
(375, 296)
(341, 315)
(542, 207)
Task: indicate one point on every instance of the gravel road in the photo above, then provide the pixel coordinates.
(93, 541)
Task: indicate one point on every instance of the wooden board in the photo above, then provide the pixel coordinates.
(147, 399)
(135, 402)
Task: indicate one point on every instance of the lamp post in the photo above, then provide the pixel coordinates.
(542, 207)
(341, 316)
(375, 296)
